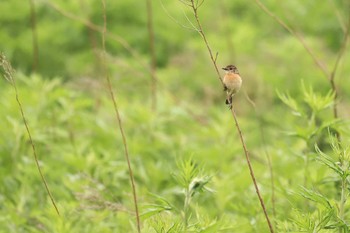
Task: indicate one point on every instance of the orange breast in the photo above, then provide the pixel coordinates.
(233, 82)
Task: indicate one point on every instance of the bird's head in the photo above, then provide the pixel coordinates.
(231, 69)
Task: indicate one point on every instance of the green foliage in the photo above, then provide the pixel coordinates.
(329, 214)
(73, 125)
(191, 180)
(314, 121)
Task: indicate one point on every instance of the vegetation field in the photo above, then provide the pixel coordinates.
(113, 116)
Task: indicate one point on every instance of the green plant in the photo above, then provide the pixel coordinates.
(185, 215)
(317, 129)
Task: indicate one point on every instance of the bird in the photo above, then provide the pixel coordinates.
(232, 83)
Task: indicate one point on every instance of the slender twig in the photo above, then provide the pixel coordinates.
(185, 3)
(9, 75)
(336, 65)
(339, 17)
(343, 198)
(189, 21)
(112, 95)
(195, 8)
(172, 18)
(34, 36)
(252, 171)
(153, 54)
(200, 31)
(186, 208)
(297, 35)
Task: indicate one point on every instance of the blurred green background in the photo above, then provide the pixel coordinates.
(72, 121)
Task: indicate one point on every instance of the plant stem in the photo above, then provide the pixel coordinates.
(153, 54)
(306, 169)
(343, 198)
(34, 36)
(206, 41)
(111, 92)
(252, 171)
(9, 76)
(200, 31)
(186, 207)
(333, 73)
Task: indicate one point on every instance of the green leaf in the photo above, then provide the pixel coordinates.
(328, 161)
(316, 197)
(290, 102)
(316, 101)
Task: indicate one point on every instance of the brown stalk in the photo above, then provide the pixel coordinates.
(9, 77)
(200, 31)
(153, 54)
(195, 11)
(252, 171)
(34, 36)
(119, 121)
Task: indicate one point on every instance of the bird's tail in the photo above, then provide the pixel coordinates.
(229, 101)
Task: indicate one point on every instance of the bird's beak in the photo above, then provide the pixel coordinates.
(224, 68)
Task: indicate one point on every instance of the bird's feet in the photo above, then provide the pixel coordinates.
(228, 102)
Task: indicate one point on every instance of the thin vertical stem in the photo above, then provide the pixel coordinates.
(34, 36)
(92, 36)
(335, 68)
(306, 169)
(9, 76)
(112, 95)
(153, 54)
(186, 207)
(252, 171)
(200, 31)
(343, 199)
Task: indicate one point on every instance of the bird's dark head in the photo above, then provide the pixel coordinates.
(231, 69)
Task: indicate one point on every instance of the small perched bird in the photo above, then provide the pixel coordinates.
(232, 83)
